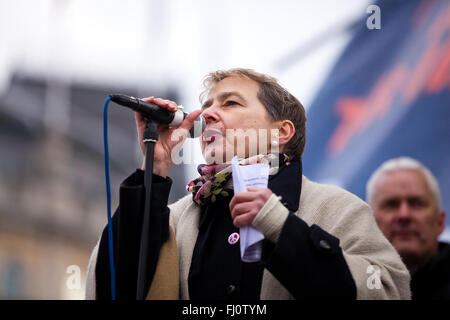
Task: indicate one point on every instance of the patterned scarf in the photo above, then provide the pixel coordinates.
(215, 180)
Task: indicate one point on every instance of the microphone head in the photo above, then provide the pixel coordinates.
(198, 127)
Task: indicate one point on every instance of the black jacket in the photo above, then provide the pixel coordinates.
(315, 267)
(432, 280)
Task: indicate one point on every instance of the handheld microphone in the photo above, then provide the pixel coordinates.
(158, 114)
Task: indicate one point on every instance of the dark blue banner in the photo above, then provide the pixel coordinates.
(387, 96)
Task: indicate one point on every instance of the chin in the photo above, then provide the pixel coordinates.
(215, 153)
(209, 159)
(209, 156)
(404, 246)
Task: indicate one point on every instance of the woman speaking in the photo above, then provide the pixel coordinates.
(319, 241)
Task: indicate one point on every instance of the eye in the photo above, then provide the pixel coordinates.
(417, 202)
(230, 103)
(390, 204)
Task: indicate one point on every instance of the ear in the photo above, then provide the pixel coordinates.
(286, 131)
(441, 221)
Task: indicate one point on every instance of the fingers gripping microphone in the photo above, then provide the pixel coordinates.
(158, 114)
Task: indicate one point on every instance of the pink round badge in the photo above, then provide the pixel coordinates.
(233, 238)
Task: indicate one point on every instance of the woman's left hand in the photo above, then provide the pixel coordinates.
(245, 205)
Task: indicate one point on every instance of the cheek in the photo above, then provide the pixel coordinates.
(429, 224)
(385, 222)
(245, 119)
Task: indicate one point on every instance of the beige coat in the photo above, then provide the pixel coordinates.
(335, 210)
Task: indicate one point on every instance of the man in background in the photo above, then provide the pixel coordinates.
(406, 201)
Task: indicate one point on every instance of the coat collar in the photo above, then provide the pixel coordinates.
(287, 183)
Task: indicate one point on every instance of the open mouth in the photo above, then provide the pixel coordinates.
(404, 233)
(211, 135)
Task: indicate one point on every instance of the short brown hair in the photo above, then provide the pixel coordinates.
(279, 103)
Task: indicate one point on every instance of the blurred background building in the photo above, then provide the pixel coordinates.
(59, 59)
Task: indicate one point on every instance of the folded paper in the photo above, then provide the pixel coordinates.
(252, 175)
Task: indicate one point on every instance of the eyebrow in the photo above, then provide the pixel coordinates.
(222, 97)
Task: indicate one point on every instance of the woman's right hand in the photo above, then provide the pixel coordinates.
(168, 138)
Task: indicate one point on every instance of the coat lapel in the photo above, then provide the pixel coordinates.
(187, 232)
(186, 236)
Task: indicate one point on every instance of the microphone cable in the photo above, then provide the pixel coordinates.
(108, 201)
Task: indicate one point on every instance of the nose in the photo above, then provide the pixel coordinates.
(404, 213)
(210, 114)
